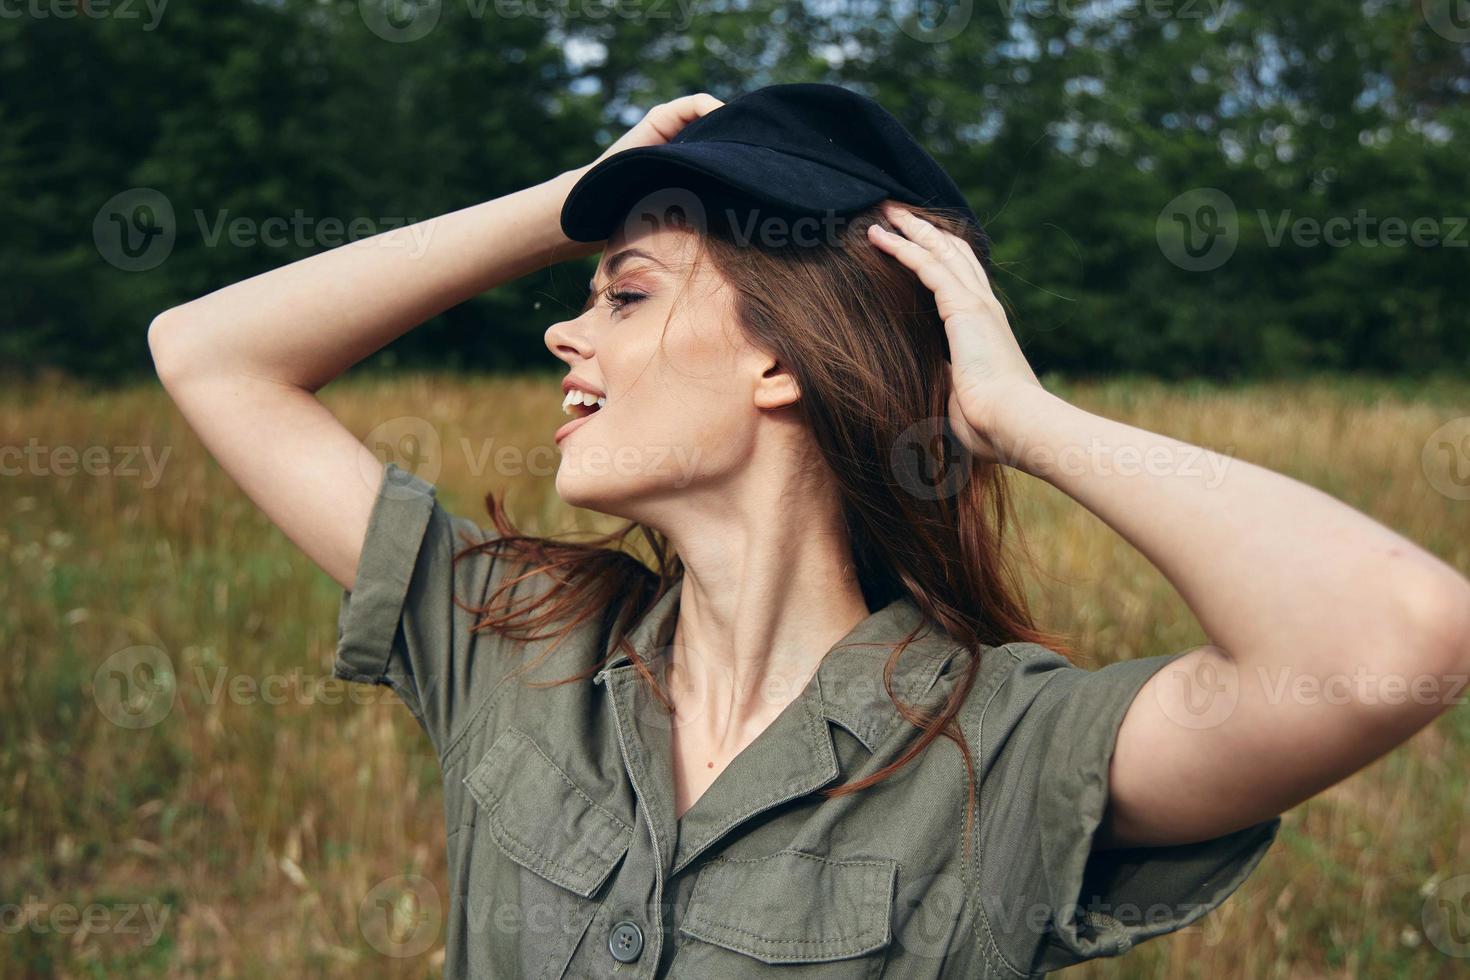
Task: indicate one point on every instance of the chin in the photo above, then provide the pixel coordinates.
(627, 496)
(589, 491)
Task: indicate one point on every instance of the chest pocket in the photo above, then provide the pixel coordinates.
(789, 914)
(565, 842)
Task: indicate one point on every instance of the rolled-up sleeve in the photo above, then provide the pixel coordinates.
(400, 625)
(1050, 899)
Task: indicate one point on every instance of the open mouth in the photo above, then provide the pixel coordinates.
(580, 404)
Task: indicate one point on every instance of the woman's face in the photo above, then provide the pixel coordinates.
(684, 390)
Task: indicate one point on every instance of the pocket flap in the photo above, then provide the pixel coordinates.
(793, 907)
(543, 820)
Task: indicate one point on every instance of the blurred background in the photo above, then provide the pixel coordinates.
(1240, 223)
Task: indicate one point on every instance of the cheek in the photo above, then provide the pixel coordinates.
(678, 415)
(672, 439)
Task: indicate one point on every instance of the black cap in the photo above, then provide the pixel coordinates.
(797, 149)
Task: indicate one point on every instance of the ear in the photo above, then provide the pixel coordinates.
(776, 387)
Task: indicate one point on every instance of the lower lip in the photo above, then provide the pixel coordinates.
(571, 427)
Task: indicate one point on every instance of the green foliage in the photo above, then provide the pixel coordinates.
(1071, 127)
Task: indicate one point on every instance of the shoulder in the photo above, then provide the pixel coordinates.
(1031, 705)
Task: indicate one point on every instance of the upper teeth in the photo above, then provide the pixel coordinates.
(579, 397)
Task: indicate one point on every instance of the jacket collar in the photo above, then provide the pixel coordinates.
(795, 755)
(848, 687)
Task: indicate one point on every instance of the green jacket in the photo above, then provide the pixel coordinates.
(565, 859)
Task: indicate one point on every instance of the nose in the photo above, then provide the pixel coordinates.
(569, 339)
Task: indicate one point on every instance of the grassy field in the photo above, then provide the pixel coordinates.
(244, 824)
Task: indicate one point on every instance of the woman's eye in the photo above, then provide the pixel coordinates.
(622, 298)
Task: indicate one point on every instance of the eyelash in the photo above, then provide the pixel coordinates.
(622, 298)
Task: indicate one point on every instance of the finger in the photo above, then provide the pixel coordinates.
(965, 314)
(954, 251)
(669, 118)
(948, 289)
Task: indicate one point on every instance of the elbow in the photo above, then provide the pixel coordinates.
(166, 345)
(1436, 604)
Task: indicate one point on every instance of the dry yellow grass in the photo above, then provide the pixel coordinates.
(252, 821)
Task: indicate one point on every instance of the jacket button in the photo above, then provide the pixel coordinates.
(625, 941)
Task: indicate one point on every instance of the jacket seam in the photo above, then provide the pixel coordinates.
(991, 948)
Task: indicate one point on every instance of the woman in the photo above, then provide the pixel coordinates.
(824, 738)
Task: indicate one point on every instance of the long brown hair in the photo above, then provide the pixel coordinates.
(868, 350)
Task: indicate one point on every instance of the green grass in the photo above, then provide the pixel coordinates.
(259, 824)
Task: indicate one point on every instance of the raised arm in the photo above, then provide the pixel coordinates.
(243, 363)
(1333, 638)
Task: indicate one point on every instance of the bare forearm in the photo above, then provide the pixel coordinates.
(1277, 572)
(305, 323)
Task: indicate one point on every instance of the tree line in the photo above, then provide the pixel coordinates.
(1215, 188)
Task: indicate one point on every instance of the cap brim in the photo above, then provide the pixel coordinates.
(708, 173)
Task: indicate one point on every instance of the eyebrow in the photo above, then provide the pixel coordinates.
(617, 259)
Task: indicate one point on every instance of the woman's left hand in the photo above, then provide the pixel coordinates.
(987, 369)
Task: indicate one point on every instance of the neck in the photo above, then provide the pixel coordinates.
(769, 587)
